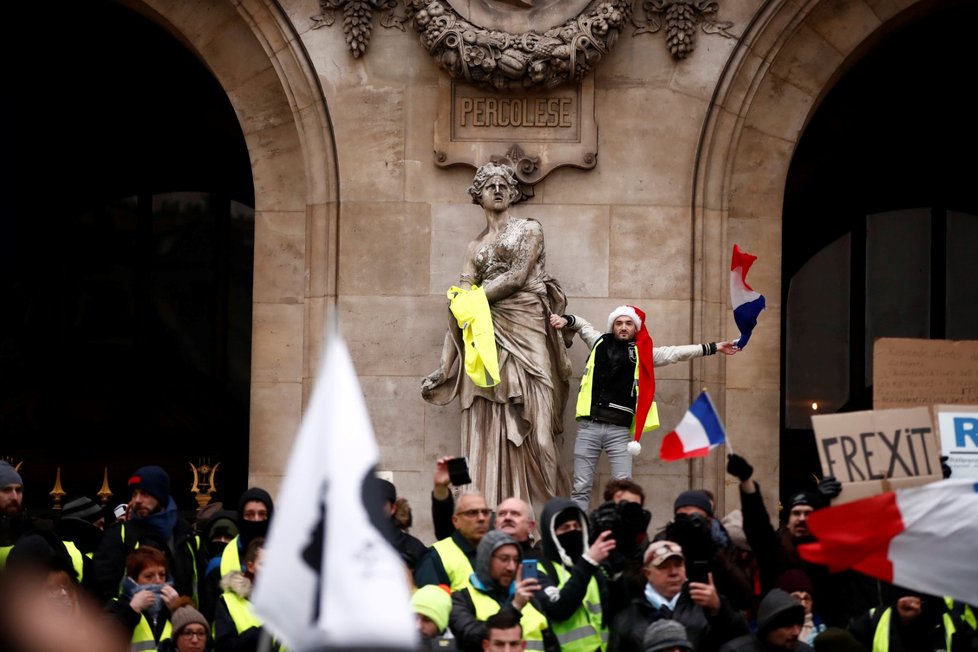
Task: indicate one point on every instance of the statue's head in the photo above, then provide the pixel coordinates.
(486, 174)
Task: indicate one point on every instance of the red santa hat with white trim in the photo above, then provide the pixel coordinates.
(646, 370)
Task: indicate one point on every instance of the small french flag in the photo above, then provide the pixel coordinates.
(697, 434)
(747, 304)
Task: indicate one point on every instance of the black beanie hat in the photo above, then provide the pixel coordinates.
(154, 481)
(259, 494)
(809, 498)
(694, 498)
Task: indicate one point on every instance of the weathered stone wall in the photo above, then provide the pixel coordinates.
(354, 216)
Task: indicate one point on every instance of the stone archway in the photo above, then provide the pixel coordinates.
(259, 60)
(787, 58)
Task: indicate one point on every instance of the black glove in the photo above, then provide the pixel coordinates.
(829, 487)
(945, 469)
(738, 467)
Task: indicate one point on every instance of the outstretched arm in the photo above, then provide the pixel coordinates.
(665, 355)
(727, 348)
(578, 325)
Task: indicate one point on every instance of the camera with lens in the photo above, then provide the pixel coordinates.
(626, 520)
(692, 532)
(628, 523)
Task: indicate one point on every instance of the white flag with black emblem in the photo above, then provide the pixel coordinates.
(329, 578)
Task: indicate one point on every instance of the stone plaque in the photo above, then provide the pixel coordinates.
(537, 130)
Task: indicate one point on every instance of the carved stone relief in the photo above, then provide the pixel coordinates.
(358, 18)
(485, 42)
(681, 18)
(508, 61)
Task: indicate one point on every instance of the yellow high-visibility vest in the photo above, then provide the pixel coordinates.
(244, 617)
(471, 310)
(142, 635)
(881, 637)
(584, 631)
(456, 564)
(584, 396)
(533, 622)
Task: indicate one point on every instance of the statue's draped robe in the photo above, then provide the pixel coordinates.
(509, 431)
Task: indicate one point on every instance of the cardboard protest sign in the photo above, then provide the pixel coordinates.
(876, 451)
(913, 372)
(958, 428)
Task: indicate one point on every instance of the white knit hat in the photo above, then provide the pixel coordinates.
(624, 311)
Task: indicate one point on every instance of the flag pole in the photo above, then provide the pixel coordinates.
(726, 436)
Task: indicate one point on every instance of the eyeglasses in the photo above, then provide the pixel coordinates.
(472, 513)
(193, 634)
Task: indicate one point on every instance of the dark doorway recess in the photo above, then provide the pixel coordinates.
(880, 219)
(126, 255)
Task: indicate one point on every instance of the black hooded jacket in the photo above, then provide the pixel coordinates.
(561, 602)
(774, 608)
(211, 590)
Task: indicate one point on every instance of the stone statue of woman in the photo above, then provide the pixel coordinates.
(509, 430)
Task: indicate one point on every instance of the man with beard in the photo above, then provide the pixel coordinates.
(497, 586)
(153, 521)
(841, 596)
(574, 602)
(12, 522)
(615, 405)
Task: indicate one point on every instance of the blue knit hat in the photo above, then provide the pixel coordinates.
(154, 481)
(8, 474)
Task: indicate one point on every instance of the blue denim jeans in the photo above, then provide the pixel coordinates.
(592, 438)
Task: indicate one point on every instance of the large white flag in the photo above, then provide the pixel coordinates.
(359, 597)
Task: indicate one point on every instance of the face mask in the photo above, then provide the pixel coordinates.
(248, 530)
(216, 548)
(573, 543)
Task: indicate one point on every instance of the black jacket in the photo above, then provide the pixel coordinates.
(706, 633)
(561, 604)
(183, 557)
(775, 605)
(838, 597)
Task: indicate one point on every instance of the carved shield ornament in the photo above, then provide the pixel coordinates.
(519, 15)
(509, 45)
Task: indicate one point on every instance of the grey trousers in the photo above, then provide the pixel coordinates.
(592, 438)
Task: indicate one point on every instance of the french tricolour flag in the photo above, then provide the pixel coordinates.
(921, 538)
(747, 304)
(697, 434)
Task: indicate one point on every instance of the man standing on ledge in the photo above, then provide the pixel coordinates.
(615, 405)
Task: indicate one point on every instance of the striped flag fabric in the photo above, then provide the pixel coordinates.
(699, 432)
(920, 538)
(747, 304)
(330, 580)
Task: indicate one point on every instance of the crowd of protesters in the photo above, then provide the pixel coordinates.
(496, 578)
